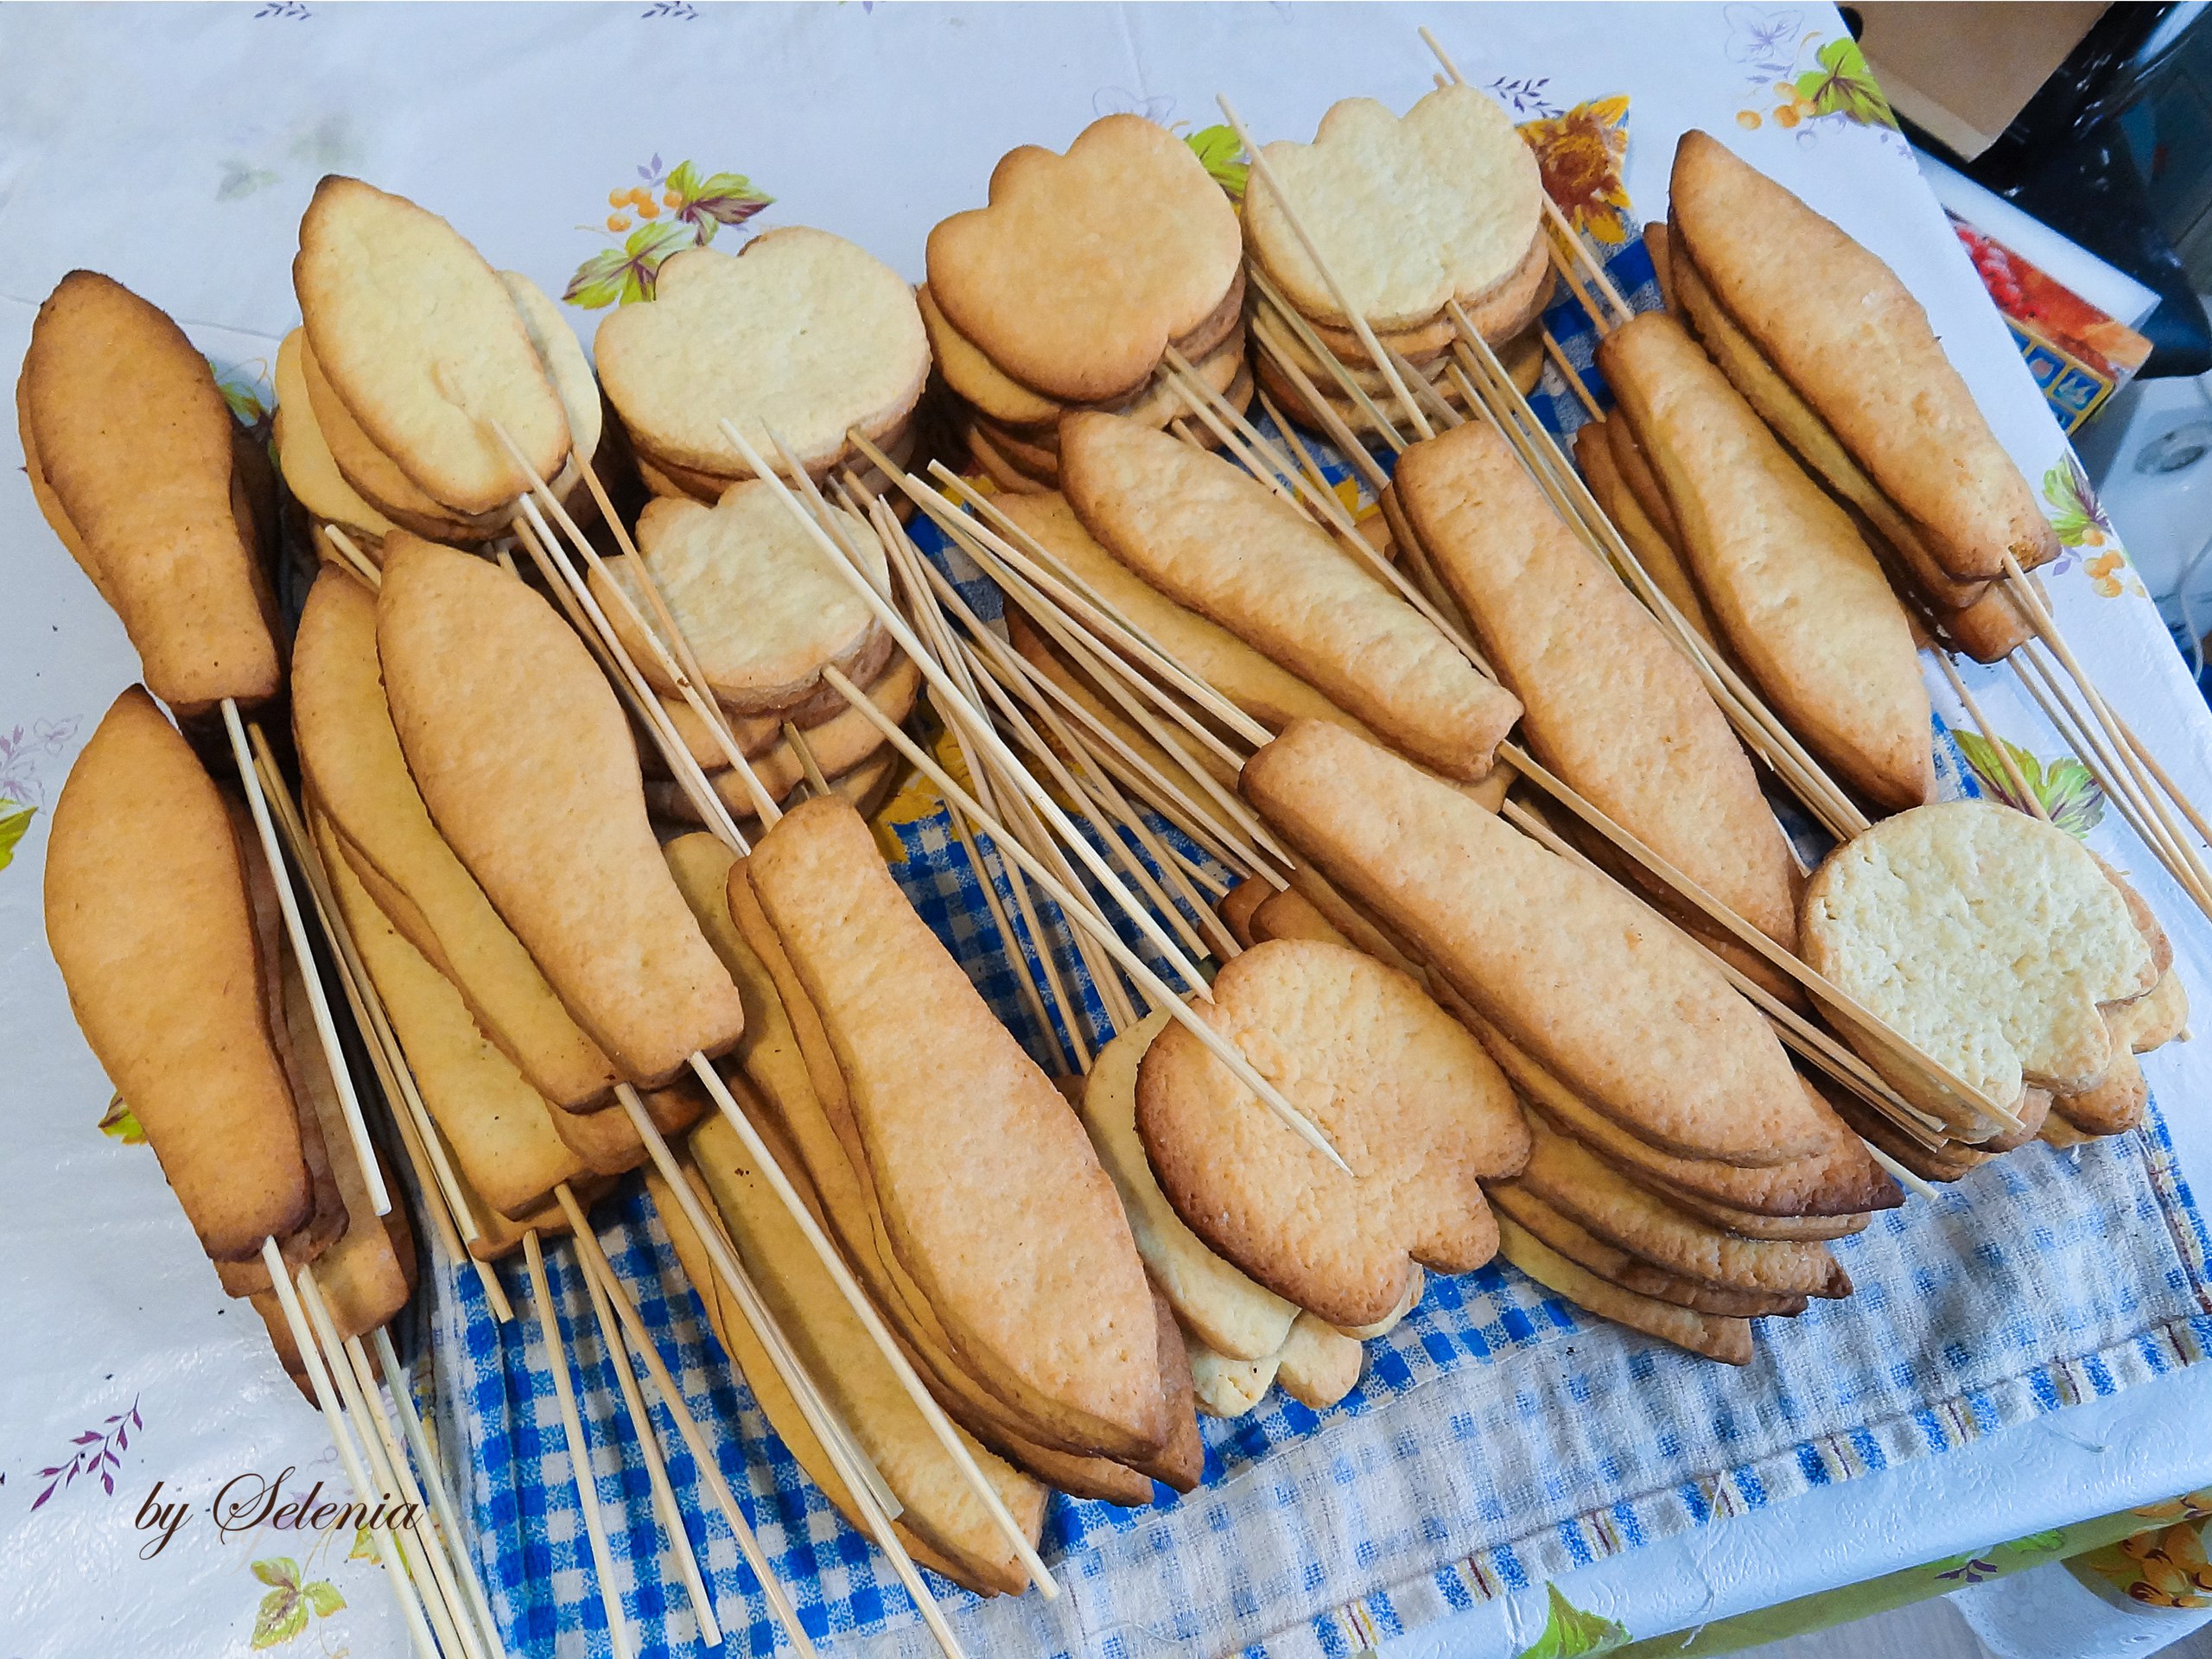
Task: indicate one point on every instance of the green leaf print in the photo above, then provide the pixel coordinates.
(120, 1123)
(1844, 85)
(2066, 788)
(620, 276)
(1223, 154)
(717, 199)
(14, 818)
(1569, 1631)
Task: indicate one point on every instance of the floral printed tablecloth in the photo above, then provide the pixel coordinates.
(175, 147)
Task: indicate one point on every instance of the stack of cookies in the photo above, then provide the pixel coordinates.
(412, 357)
(2009, 952)
(1066, 292)
(1683, 1176)
(1826, 344)
(1411, 215)
(164, 921)
(519, 1092)
(764, 615)
(801, 334)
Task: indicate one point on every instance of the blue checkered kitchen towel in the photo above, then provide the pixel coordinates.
(1498, 1437)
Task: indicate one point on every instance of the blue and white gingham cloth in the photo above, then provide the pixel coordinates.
(1498, 1437)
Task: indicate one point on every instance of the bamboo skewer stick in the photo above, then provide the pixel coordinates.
(1998, 746)
(352, 558)
(1043, 974)
(450, 1214)
(553, 565)
(851, 1465)
(673, 656)
(1156, 991)
(1269, 318)
(420, 1546)
(1573, 376)
(442, 1499)
(2174, 792)
(594, 1257)
(295, 929)
(335, 1421)
(989, 739)
(1133, 770)
(572, 1430)
(648, 1447)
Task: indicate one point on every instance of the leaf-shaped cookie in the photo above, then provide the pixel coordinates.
(1988, 938)
(1086, 266)
(1405, 1094)
(1409, 213)
(802, 332)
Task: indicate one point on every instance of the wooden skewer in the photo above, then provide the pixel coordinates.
(352, 558)
(2032, 802)
(1572, 376)
(554, 565)
(989, 740)
(594, 1257)
(1156, 990)
(420, 1546)
(860, 1476)
(443, 1196)
(648, 1447)
(1804, 1038)
(1265, 171)
(671, 655)
(335, 1421)
(2174, 792)
(1041, 972)
(807, 763)
(446, 1510)
(295, 929)
(572, 1429)
(1104, 745)
(1271, 343)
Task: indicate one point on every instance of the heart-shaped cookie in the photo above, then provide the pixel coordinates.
(802, 332)
(1085, 267)
(755, 597)
(1408, 1098)
(1989, 939)
(1409, 213)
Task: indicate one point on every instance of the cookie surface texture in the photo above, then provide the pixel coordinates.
(1213, 538)
(1631, 1016)
(526, 763)
(422, 342)
(803, 331)
(1404, 1093)
(1409, 213)
(1986, 937)
(1085, 267)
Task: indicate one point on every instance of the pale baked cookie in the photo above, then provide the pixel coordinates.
(1790, 582)
(422, 343)
(500, 1129)
(147, 913)
(1984, 936)
(1409, 213)
(351, 759)
(1224, 1309)
(134, 443)
(1633, 1016)
(1715, 1336)
(304, 456)
(755, 597)
(1851, 340)
(1318, 1365)
(803, 331)
(1404, 1093)
(497, 703)
(1610, 704)
(1213, 538)
(1654, 547)
(1086, 266)
(1515, 1201)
